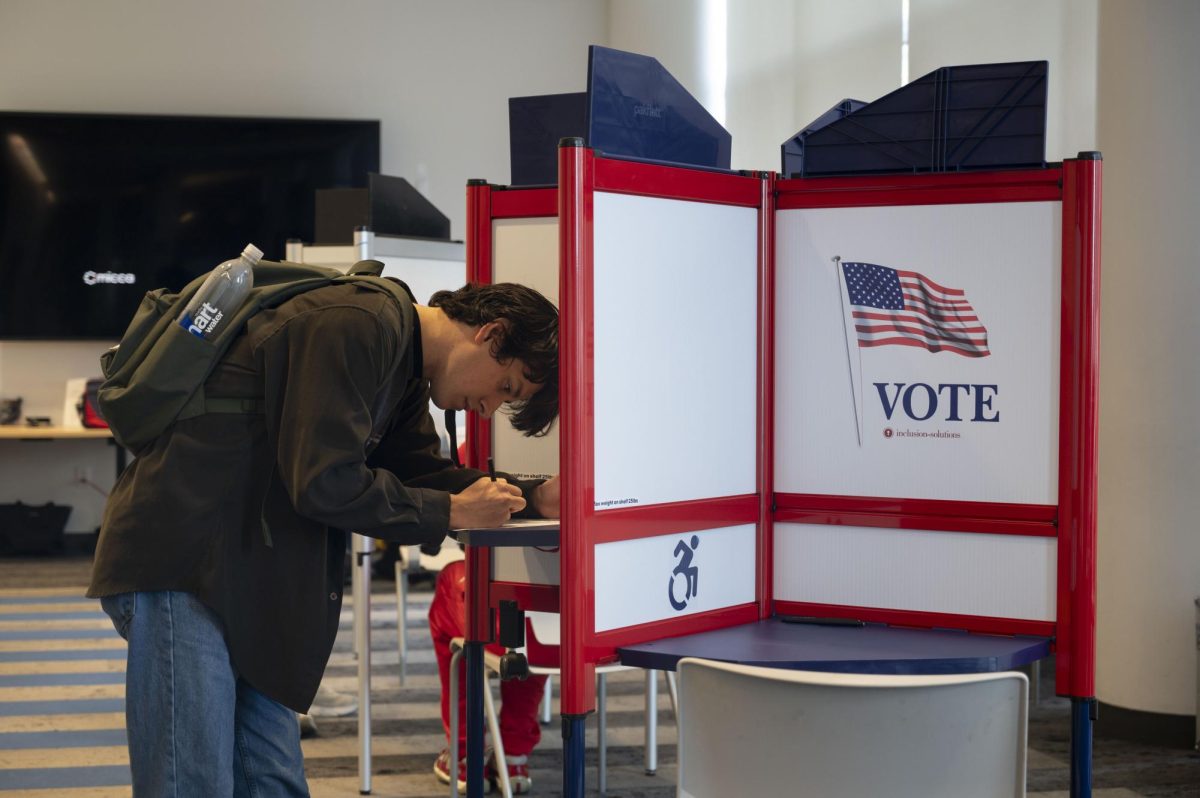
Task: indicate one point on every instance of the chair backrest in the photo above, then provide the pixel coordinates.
(542, 637)
(765, 731)
(545, 627)
(450, 552)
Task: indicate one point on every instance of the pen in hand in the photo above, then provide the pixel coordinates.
(492, 473)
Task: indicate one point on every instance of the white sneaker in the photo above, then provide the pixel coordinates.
(441, 769)
(329, 703)
(519, 780)
(308, 726)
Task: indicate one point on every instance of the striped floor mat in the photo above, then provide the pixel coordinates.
(62, 673)
(62, 687)
(62, 697)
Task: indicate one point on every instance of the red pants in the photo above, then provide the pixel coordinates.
(519, 729)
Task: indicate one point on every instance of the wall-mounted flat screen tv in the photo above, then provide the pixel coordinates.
(95, 210)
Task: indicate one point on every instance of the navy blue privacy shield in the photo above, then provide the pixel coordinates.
(983, 116)
(793, 149)
(636, 109)
(633, 109)
(535, 125)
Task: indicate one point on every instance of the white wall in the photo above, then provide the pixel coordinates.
(792, 60)
(437, 74)
(670, 30)
(1149, 558)
(759, 97)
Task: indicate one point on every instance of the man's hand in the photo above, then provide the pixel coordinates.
(547, 498)
(485, 503)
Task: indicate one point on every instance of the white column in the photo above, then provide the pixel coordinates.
(1149, 548)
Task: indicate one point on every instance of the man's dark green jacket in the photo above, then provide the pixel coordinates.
(246, 510)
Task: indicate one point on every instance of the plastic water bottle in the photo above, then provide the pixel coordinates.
(222, 293)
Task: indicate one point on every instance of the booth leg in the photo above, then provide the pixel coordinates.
(361, 579)
(1083, 712)
(573, 731)
(602, 734)
(455, 658)
(651, 722)
(475, 687)
(402, 616)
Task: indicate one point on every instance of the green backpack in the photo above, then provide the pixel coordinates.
(155, 375)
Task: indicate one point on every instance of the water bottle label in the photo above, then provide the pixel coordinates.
(205, 322)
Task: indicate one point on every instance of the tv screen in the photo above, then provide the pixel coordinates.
(95, 210)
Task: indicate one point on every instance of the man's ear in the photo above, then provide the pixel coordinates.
(488, 331)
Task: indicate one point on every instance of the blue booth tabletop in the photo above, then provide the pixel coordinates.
(873, 648)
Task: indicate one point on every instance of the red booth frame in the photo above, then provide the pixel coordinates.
(1076, 184)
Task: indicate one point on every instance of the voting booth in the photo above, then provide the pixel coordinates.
(858, 399)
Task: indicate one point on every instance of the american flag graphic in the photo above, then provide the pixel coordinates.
(897, 307)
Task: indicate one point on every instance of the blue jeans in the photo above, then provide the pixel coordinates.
(195, 727)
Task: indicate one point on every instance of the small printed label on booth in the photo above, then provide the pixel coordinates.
(615, 502)
(666, 576)
(939, 434)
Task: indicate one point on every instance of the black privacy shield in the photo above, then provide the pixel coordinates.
(535, 125)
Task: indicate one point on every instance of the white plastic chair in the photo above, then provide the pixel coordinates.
(766, 731)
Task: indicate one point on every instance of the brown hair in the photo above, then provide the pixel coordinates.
(530, 334)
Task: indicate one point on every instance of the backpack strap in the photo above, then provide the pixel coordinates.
(398, 290)
(371, 267)
(365, 273)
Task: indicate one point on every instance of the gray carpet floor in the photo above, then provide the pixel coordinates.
(61, 698)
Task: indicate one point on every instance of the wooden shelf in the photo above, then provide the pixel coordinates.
(23, 433)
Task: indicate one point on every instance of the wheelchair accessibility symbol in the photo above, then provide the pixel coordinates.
(690, 574)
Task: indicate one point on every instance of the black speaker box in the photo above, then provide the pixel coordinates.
(387, 206)
(32, 529)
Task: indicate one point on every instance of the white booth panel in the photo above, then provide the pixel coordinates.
(423, 277)
(676, 323)
(335, 256)
(1004, 576)
(525, 251)
(668, 576)
(527, 566)
(899, 419)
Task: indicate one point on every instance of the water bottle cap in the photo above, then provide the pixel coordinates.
(252, 254)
